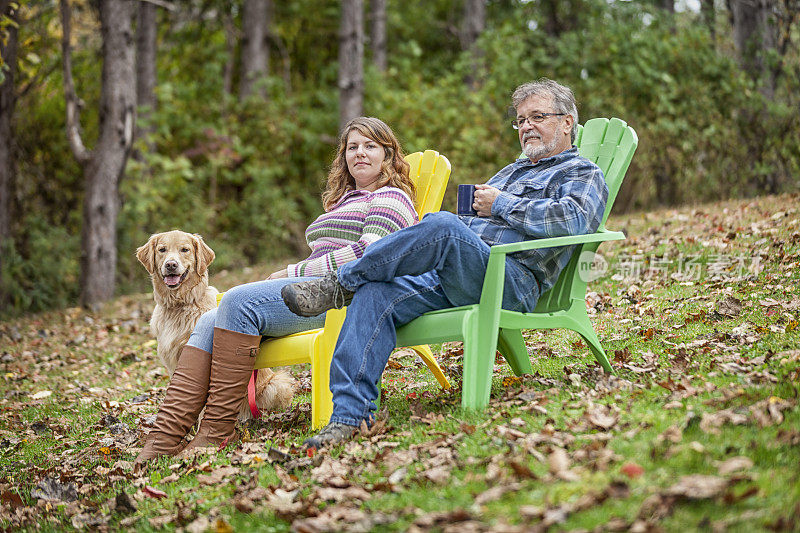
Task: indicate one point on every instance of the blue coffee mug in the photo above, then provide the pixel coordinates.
(466, 197)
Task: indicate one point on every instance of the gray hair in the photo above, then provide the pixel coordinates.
(563, 99)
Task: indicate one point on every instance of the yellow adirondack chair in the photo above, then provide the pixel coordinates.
(430, 172)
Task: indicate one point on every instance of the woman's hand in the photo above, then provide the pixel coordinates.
(484, 198)
(279, 274)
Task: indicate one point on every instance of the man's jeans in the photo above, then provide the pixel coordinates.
(256, 309)
(435, 264)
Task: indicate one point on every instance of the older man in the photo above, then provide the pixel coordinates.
(441, 261)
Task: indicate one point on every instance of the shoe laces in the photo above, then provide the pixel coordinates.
(334, 430)
(339, 296)
(330, 285)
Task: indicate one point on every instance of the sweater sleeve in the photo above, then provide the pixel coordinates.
(389, 210)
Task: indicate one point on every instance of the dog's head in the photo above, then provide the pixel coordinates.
(174, 256)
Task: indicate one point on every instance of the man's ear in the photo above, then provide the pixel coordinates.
(203, 255)
(146, 254)
(568, 122)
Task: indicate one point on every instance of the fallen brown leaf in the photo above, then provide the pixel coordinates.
(495, 493)
(341, 518)
(244, 504)
(52, 490)
(600, 417)
(282, 502)
(153, 492)
(734, 464)
(729, 306)
(217, 476)
(339, 495)
(698, 487)
(438, 474)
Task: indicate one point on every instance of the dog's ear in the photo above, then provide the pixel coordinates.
(146, 254)
(203, 254)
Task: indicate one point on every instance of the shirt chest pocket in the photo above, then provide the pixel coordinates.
(527, 189)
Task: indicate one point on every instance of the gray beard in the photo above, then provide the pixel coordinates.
(536, 152)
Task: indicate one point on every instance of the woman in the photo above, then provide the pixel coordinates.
(369, 194)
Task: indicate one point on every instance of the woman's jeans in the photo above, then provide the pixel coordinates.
(256, 309)
(435, 264)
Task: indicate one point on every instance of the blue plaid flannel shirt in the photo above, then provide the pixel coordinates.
(561, 195)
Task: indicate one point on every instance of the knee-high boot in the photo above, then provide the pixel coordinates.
(231, 367)
(185, 398)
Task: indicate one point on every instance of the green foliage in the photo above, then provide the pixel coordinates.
(33, 267)
(248, 175)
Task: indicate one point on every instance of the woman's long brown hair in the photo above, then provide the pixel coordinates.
(394, 169)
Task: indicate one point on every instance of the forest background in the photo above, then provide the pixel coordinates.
(233, 110)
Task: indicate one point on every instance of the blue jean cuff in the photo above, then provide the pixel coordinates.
(341, 282)
(347, 421)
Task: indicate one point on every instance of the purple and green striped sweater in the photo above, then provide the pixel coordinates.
(359, 218)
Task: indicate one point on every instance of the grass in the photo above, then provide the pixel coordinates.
(704, 387)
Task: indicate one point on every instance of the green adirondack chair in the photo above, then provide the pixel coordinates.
(485, 327)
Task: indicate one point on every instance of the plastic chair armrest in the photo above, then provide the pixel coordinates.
(600, 236)
(492, 292)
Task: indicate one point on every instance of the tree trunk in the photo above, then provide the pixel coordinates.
(255, 48)
(669, 7)
(665, 186)
(754, 32)
(351, 61)
(472, 26)
(379, 34)
(709, 13)
(474, 22)
(552, 21)
(146, 77)
(103, 166)
(8, 51)
(230, 48)
(278, 43)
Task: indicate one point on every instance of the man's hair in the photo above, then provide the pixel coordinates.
(563, 99)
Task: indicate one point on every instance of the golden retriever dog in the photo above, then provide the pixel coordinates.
(178, 265)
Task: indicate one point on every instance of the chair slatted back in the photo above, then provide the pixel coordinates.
(610, 144)
(430, 172)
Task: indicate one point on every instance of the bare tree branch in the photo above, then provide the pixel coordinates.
(161, 3)
(73, 104)
(34, 81)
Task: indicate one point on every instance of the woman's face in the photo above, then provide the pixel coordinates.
(364, 157)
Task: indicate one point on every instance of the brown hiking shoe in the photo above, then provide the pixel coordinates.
(185, 398)
(314, 297)
(231, 367)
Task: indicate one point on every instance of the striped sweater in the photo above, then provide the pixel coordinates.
(359, 218)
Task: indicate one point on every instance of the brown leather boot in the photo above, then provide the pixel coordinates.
(185, 398)
(231, 367)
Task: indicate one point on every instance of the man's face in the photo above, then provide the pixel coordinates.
(547, 138)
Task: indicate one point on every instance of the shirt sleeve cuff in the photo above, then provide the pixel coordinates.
(291, 270)
(502, 204)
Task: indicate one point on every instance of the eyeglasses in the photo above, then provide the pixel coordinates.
(536, 118)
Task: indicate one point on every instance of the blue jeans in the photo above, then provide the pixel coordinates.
(253, 308)
(435, 264)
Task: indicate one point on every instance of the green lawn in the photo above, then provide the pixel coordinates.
(698, 430)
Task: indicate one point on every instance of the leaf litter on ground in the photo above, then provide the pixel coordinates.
(705, 389)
